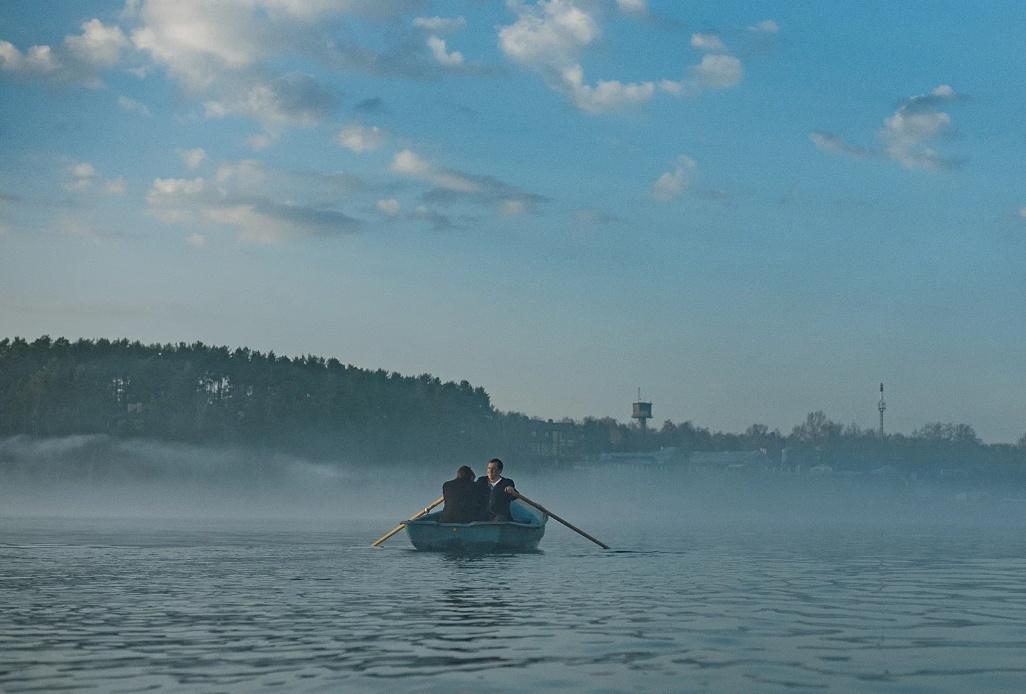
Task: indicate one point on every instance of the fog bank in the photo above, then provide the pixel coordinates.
(100, 476)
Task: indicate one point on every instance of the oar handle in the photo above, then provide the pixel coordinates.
(426, 510)
(549, 513)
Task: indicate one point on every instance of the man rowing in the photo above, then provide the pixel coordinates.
(500, 491)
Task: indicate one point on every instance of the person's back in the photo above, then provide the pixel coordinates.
(461, 498)
(482, 497)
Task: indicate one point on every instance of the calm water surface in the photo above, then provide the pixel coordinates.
(132, 606)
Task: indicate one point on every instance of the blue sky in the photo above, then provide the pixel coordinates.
(749, 210)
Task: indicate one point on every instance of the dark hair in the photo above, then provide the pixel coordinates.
(497, 462)
(464, 473)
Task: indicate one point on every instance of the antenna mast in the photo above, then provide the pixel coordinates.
(882, 406)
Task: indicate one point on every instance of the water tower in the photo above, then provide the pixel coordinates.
(642, 412)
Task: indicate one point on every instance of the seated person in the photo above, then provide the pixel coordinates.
(493, 487)
(462, 498)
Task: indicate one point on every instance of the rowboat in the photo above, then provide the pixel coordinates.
(522, 534)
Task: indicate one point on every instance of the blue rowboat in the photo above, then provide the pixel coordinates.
(521, 535)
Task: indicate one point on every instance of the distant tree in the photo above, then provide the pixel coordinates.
(757, 431)
(817, 429)
(965, 433)
(955, 433)
(201, 393)
(316, 406)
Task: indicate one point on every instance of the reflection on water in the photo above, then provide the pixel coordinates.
(116, 606)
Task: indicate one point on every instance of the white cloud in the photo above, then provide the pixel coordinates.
(907, 135)
(718, 71)
(512, 207)
(833, 144)
(83, 176)
(290, 100)
(246, 174)
(766, 26)
(196, 40)
(133, 106)
(550, 33)
(707, 42)
(438, 220)
(632, 6)
(388, 207)
(115, 186)
(606, 95)
(224, 54)
(451, 187)
(76, 60)
(548, 37)
(209, 46)
(169, 192)
(83, 172)
(98, 45)
(38, 60)
(408, 163)
(440, 52)
(672, 184)
(264, 222)
(252, 227)
(310, 10)
(192, 158)
(196, 240)
(261, 205)
(260, 141)
(360, 138)
(440, 24)
(715, 71)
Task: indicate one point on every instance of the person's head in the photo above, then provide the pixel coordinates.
(494, 469)
(464, 473)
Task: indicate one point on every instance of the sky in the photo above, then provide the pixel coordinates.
(749, 210)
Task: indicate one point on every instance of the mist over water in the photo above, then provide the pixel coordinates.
(100, 476)
(128, 565)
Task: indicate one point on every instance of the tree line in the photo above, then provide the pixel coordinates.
(196, 393)
(309, 405)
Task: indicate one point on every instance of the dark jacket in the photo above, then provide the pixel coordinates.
(462, 501)
(498, 500)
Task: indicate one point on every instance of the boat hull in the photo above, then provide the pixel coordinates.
(522, 535)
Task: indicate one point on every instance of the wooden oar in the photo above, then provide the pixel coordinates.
(427, 509)
(549, 513)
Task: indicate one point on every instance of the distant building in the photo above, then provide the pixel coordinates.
(664, 456)
(720, 461)
(556, 440)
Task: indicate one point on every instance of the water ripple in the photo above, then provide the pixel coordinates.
(126, 608)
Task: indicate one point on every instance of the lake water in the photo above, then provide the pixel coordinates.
(127, 606)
